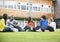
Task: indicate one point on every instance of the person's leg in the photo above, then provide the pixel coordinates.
(34, 29)
(27, 28)
(14, 29)
(19, 29)
(38, 27)
(7, 30)
(51, 29)
(43, 30)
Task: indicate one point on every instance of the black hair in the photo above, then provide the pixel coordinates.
(29, 19)
(44, 17)
(5, 17)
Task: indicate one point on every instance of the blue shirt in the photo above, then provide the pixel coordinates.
(43, 24)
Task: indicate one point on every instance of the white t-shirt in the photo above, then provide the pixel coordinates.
(11, 26)
(53, 24)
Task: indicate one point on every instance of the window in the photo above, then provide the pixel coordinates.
(23, 7)
(45, 8)
(10, 4)
(36, 7)
(29, 6)
(1, 3)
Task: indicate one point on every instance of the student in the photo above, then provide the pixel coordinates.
(3, 27)
(13, 24)
(43, 23)
(30, 25)
(51, 25)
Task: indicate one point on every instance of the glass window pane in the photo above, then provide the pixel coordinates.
(35, 8)
(10, 4)
(45, 8)
(23, 7)
(1, 3)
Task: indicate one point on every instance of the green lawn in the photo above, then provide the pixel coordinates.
(30, 36)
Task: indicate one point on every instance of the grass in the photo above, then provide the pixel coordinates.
(30, 36)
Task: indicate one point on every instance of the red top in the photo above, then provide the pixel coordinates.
(31, 23)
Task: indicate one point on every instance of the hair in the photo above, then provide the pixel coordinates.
(44, 17)
(29, 19)
(51, 19)
(5, 17)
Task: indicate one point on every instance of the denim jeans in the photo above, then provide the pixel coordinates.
(7, 30)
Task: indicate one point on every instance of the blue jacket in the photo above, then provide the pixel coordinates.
(43, 24)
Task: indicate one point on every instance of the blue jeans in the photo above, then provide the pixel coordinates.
(19, 28)
(7, 30)
(43, 29)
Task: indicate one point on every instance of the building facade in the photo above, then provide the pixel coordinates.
(26, 8)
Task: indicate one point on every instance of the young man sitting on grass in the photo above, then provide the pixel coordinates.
(13, 24)
(44, 24)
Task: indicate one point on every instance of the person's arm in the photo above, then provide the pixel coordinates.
(48, 23)
(16, 24)
(40, 22)
(8, 22)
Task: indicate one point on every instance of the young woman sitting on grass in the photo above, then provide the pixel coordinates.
(51, 25)
(3, 27)
(30, 25)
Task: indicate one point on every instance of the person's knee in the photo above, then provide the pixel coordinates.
(43, 30)
(51, 30)
(20, 29)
